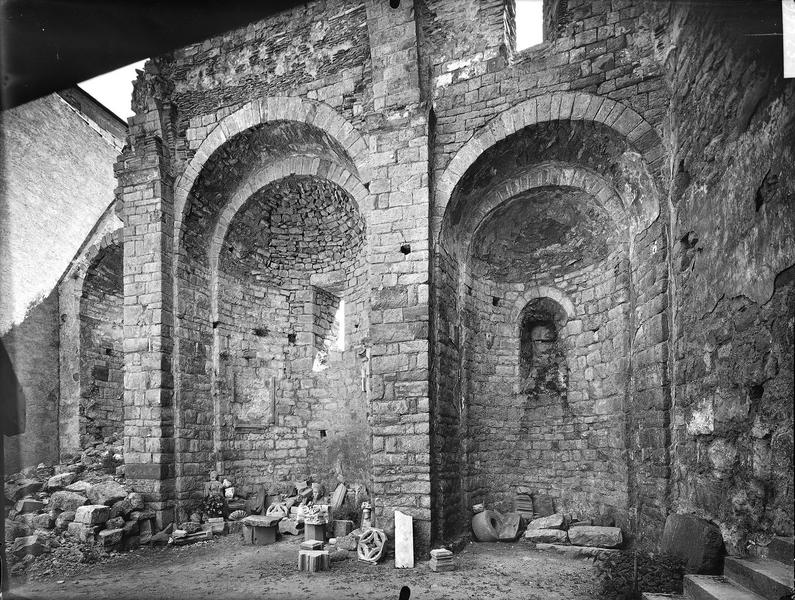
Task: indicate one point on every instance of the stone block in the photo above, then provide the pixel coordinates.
(136, 501)
(315, 531)
(510, 530)
(63, 520)
(696, 541)
(122, 508)
(26, 545)
(80, 487)
(313, 560)
(550, 536)
(260, 531)
(43, 521)
(110, 537)
(341, 528)
(29, 505)
(289, 527)
(551, 522)
(92, 514)
(66, 501)
(594, 536)
(543, 505)
(115, 523)
(20, 489)
(145, 530)
(83, 532)
(106, 492)
(57, 482)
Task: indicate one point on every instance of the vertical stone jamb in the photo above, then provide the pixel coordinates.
(69, 365)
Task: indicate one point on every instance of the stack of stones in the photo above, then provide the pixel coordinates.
(441, 560)
(560, 529)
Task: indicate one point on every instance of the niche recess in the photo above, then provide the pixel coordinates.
(543, 370)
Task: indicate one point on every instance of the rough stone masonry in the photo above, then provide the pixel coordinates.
(380, 245)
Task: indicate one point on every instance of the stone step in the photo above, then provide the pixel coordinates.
(781, 549)
(715, 587)
(650, 596)
(768, 578)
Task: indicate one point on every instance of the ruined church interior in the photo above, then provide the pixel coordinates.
(368, 296)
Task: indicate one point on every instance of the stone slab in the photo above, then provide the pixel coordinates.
(550, 536)
(576, 551)
(550, 522)
(594, 536)
(510, 529)
(404, 541)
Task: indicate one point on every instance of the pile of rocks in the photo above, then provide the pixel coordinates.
(74, 503)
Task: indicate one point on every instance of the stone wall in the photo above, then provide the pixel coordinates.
(450, 181)
(561, 435)
(102, 348)
(292, 254)
(56, 181)
(732, 254)
(33, 349)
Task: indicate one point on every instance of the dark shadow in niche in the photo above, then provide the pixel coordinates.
(543, 371)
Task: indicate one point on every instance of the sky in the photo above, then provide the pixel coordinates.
(529, 23)
(114, 89)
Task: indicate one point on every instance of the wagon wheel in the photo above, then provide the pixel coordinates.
(371, 545)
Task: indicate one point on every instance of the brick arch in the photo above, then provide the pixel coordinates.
(543, 175)
(273, 172)
(258, 112)
(541, 291)
(556, 106)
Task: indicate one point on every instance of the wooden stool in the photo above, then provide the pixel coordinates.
(259, 530)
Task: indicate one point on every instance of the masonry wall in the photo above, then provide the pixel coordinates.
(278, 344)
(102, 349)
(33, 349)
(732, 254)
(564, 440)
(56, 181)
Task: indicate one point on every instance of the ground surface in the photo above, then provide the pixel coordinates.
(225, 568)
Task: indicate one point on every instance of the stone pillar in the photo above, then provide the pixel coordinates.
(398, 239)
(648, 414)
(146, 190)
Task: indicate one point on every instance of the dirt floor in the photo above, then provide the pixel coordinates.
(225, 568)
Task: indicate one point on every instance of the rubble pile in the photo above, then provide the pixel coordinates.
(72, 512)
